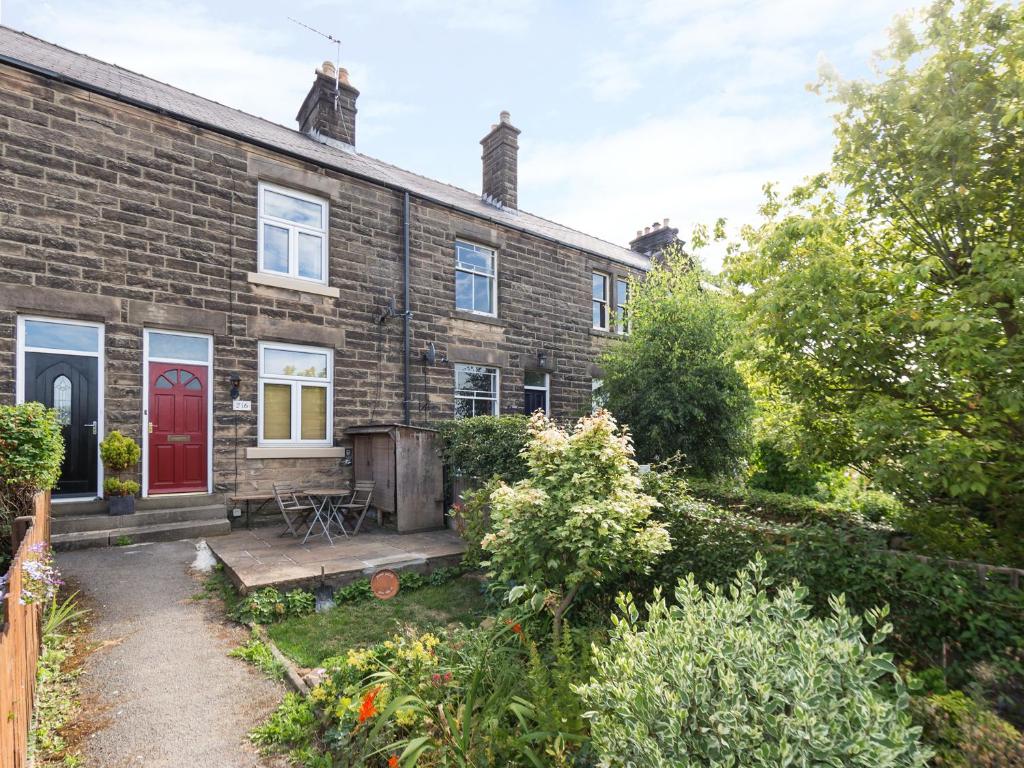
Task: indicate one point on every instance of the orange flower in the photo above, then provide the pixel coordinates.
(393, 761)
(366, 709)
(516, 626)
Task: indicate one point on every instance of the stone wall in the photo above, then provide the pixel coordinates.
(112, 213)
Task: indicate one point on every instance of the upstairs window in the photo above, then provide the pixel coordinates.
(295, 395)
(292, 234)
(600, 301)
(476, 284)
(476, 391)
(621, 299)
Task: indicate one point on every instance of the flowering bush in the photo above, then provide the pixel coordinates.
(742, 677)
(268, 605)
(579, 518)
(40, 578)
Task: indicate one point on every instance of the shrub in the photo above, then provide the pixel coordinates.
(267, 605)
(579, 519)
(31, 452)
(472, 517)
(114, 486)
(965, 734)
(119, 452)
(258, 653)
(941, 616)
(484, 446)
(745, 678)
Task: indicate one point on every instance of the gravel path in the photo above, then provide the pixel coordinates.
(160, 684)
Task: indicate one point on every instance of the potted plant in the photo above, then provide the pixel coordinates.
(119, 454)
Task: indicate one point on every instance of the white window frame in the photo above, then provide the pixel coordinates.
(605, 302)
(19, 387)
(497, 388)
(296, 383)
(546, 389)
(293, 234)
(621, 318)
(493, 278)
(146, 360)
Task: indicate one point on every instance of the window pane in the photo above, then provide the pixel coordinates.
(463, 291)
(600, 315)
(482, 293)
(463, 408)
(293, 362)
(621, 292)
(62, 399)
(600, 287)
(178, 347)
(310, 257)
(314, 413)
(536, 379)
(53, 335)
(275, 248)
(294, 209)
(475, 379)
(277, 412)
(479, 259)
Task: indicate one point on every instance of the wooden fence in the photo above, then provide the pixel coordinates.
(20, 641)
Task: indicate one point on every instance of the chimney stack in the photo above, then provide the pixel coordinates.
(329, 110)
(500, 163)
(652, 240)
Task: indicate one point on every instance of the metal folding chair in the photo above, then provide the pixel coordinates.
(358, 503)
(295, 513)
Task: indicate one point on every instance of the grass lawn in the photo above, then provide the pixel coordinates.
(308, 640)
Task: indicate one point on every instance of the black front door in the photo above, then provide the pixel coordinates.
(69, 383)
(536, 400)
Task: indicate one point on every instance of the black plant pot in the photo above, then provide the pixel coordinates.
(122, 505)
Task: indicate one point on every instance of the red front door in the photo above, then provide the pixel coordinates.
(177, 424)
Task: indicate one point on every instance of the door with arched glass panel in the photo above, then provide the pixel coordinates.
(177, 413)
(59, 367)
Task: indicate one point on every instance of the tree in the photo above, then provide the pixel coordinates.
(885, 296)
(672, 379)
(579, 518)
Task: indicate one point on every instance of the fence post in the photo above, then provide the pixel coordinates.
(19, 529)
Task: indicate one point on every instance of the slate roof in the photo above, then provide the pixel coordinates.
(31, 53)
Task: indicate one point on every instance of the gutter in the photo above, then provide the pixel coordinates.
(148, 107)
(406, 311)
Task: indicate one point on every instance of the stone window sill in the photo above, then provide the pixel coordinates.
(472, 317)
(605, 334)
(291, 284)
(295, 452)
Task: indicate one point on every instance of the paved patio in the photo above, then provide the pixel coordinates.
(262, 557)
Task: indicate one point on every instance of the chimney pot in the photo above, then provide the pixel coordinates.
(343, 76)
(664, 222)
(500, 162)
(647, 230)
(327, 68)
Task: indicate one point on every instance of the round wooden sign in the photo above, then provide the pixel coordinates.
(384, 584)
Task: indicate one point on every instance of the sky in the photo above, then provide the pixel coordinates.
(631, 111)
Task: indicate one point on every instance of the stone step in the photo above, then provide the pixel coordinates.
(103, 521)
(148, 504)
(189, 529)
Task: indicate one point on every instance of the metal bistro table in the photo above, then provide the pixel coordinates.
(325, 509)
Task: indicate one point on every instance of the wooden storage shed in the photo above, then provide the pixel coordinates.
(406, 465)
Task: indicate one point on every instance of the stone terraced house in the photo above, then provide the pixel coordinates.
(166, 261)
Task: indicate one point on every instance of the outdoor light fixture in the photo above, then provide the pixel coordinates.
(542, 359)
(236, 380)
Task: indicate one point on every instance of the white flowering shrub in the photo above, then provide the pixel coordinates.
(580, 517)
(744, 678)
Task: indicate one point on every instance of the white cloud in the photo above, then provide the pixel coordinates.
(692, 167)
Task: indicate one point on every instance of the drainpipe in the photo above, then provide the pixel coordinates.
(406, 311)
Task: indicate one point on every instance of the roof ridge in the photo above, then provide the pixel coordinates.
(126, 75)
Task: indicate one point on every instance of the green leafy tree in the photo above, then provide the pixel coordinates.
(578, 519)
(748, 677)
(885, 296)
(672, 379)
